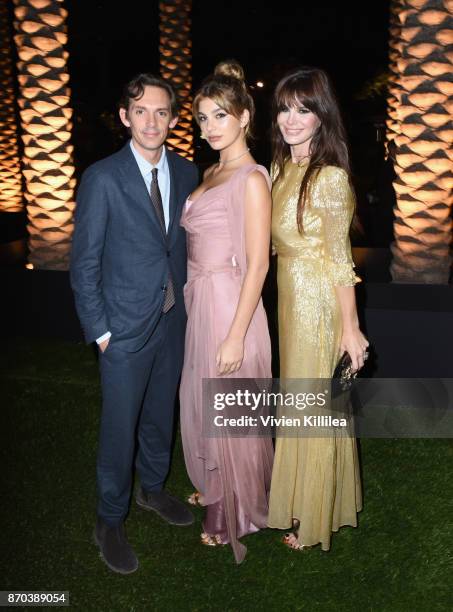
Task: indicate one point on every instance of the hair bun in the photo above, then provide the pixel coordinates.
(230, 68)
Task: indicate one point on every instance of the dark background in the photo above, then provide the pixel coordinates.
(108, 46)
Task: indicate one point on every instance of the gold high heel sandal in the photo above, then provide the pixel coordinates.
(290, 541)
(195, 499)
(209, 540)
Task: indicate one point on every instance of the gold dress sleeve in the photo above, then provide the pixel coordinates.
(336, 204)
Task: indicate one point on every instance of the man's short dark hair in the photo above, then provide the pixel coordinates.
(136, 87)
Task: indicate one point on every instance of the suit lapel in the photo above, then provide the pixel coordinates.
(135, 187)
(174, 191)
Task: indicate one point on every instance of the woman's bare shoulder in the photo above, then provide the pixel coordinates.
(258, 177)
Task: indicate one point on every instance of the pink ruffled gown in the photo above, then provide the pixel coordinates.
(232, 474)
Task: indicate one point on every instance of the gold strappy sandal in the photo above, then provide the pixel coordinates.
(290, 541)
(195, 499)
(209, 540)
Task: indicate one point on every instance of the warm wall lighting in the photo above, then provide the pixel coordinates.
(420, 123)
(10, 175)
(394, 87)
(176, 66)
(46, 124)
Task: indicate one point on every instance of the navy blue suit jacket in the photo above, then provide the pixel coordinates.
(120, 258)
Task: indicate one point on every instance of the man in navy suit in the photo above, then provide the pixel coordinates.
(128, 268)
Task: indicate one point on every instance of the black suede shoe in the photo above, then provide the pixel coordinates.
(169, 508)
(116, 551)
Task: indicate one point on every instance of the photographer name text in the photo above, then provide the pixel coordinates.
(271, 421)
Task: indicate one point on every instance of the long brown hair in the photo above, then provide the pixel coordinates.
(312, 88)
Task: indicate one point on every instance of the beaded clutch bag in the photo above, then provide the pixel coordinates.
(343, 376)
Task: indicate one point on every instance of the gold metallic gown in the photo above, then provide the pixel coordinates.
(315, 480)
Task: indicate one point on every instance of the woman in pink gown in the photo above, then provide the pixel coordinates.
(227, 220)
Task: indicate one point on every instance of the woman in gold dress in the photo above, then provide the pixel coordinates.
(315, 480)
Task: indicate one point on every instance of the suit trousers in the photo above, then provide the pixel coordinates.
(138, 397)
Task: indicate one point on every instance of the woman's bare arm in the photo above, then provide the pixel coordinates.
(258, 206)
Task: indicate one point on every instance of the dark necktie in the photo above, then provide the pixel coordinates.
(156, 200)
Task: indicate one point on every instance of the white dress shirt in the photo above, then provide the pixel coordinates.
(163, 178)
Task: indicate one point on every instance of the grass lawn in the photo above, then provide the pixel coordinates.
(399, 558)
